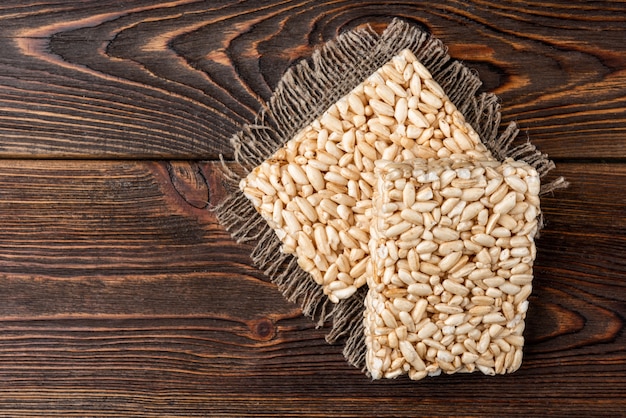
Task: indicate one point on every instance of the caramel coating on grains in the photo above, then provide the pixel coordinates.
(316, 191)
(452, 247)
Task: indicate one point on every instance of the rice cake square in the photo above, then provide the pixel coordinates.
(452, 249)
(316, 191)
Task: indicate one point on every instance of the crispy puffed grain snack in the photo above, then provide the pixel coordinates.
(452, 249)
(316, 191)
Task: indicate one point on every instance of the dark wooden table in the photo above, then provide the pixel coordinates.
(120, 294)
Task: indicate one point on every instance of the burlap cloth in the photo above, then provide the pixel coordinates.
(307, 90)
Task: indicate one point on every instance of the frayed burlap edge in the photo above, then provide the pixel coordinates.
(303, 94)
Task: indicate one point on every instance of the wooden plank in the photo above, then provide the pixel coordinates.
(121, 295)
(154, 79)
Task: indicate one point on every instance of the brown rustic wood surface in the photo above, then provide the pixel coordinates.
(120, 294)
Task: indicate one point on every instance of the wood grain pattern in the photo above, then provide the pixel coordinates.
(127, 297)
(175, 79)
(120, 294)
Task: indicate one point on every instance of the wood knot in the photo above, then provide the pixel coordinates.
(262, 329)
(189, 183)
